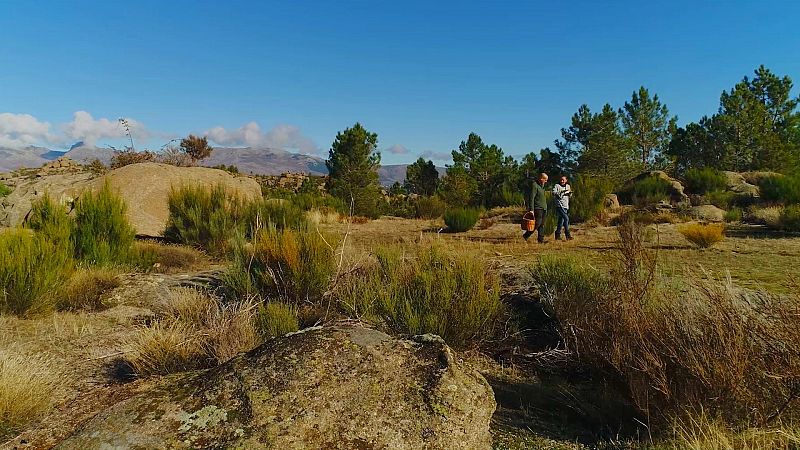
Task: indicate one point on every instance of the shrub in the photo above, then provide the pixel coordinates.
(734, 214)
(32, 269)
(203, 217)
(290, 265)
(647, 191)
(50, 220)
(122, 158)
(165, 258)
(101, 233)
(769, 216)
(231, 169)
(196, 147)
(707, 345)
(272, 212)
(97, 167)
(430, 207)
(448, 293)
(27, 383)
(790, 218)
(588, 197)
(781, 189)
(276, 319)
(720, 199)
(703, 235)
(86, 287)
(459, 220)
(703, 180)
(4, 190)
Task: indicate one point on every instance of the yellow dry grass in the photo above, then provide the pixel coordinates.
(26, 385)
(703, 235)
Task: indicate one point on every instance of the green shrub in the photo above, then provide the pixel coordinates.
(430, 207)
(401, 206)
(449, 293)
(459, 220)
(720, 199)
(291, 265)
(647, 191)
(276, 319)
(734, 214)
(509, 196)
(588, 197)
(4, 190)
(790, 218)
(781, 189)
(279, 213)
(204, 217)
(32, 269)
(566, 278)
(308, 201)
(707, 179)
(50, 220)
(101, 233)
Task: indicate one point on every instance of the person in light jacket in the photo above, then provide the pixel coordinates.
(561, 194)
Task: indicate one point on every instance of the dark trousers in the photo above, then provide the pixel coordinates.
(538, 215)
(563, 221)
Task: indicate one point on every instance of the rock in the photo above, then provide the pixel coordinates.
(144, 187)
(708, 213)
(755, 178)
(736, 182)
(733, 179)
(611, 201)
(338, 387)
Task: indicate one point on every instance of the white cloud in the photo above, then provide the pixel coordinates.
(22, 130)
(436, 156)
(86, 128)
(251, 135)
(397, 149)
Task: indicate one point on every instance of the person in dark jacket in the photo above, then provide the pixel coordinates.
(538, 205)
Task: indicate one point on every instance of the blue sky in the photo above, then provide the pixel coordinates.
(422, 74)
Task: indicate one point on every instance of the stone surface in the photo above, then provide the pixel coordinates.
(709, 213)
(145, 188)
(736, 182)
(755, 178)
(611, 201)
(339, 387)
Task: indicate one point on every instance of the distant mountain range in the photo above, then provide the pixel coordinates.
(258, 161)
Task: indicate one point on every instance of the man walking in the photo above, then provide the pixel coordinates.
(562, 193)
(538, 205)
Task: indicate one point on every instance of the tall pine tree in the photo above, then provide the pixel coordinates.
(353, 170)
(647, 125)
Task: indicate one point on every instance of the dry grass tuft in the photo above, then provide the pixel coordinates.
(166, 347)
(27, 383)
(161, 258)
(86, 287)
(703, 235)
(705, 433)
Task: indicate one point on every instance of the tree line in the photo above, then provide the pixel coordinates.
(757, 127)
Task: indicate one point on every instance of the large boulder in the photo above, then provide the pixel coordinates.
(144, 187)
(339, 387)
(736, 182)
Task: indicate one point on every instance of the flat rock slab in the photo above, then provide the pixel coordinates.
(340, 387)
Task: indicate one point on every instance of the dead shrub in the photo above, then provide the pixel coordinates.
(27, 383)
(86, 288)
(703, 235)
(707, 345)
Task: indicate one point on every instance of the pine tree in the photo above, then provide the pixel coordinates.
(648, 126)
(353, 170)
(422, 177)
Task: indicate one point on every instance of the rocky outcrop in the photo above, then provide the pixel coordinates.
(736, 182)
(144, 187)
(611, 201)
(339, 387)
(676, 193)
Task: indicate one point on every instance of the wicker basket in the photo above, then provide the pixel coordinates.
(528, 222)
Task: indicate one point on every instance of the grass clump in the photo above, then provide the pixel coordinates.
(27, 383)
(165, 258)
(784, 190)
(295, 266)
(276, 319)
(429, 207)
(459, 220)
(101, 233)
(4, 190)
(32, 270)
(86, 288)
(203, 217)
(50, 219)
(165, 347)
(702, 432)
(448, 293)
(703, 235)
(273, 212)
(734, 214)
(721, 199)
(703, 180)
